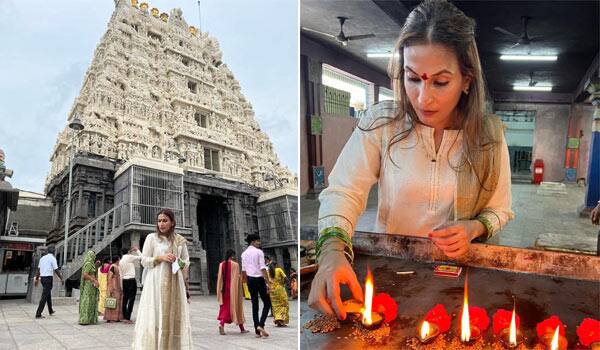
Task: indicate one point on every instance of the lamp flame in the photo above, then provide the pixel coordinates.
(366, 319)
(512, 338)
(425, 330)
(465, 327)
(554, 343)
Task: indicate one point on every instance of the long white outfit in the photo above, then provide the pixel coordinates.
(163, 320)
(417, 194)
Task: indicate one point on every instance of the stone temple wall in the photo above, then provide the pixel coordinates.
(157, 89)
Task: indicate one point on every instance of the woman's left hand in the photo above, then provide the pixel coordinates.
(455, 238)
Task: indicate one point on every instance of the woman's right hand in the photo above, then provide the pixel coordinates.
(170, 258)
(96, 284)
(334, 269)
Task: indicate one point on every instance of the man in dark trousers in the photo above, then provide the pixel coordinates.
(47, 267)
(127, 264)
(254, 272)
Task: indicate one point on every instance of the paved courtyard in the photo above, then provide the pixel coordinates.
(20, 330)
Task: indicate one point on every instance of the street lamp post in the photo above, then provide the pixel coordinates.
(75, 126)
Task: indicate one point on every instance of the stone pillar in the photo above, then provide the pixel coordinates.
(592, 193)
(56, 216)
(279, 255)
(193, 216)
(79, 212)
(101, 203)
(203, 272)
(186, 209)
(311, 72)
(293, 250)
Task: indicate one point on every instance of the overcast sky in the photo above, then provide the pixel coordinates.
(47, 47)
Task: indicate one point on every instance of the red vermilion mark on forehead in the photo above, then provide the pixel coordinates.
(424, 76)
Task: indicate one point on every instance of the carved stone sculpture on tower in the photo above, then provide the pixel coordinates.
(150, 76)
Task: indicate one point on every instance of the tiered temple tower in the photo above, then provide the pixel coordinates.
(158, 103)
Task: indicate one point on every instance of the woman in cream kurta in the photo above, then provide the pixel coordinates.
(163, 320)
(439, 158)
(417, 194)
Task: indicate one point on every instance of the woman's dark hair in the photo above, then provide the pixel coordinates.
(106, 260)
(272, 266)
(115, 259)
(169, 213)
(440, 22)
(228, 255)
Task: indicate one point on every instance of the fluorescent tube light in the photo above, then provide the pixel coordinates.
(532, 88)
(379, 54)
(528, 58)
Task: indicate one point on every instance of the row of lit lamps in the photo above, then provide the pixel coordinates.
(504, 58)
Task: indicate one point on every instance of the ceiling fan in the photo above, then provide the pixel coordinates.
(522, 39)
(532, 82)
(341, 37)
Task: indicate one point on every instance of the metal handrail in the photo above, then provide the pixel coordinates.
(97, 224)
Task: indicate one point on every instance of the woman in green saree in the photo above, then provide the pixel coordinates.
(88, 300)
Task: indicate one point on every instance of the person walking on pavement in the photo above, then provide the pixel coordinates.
(127, 264)
(254, 271)
(47, 267)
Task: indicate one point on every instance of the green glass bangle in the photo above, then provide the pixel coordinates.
(487, 224)
(337, 233)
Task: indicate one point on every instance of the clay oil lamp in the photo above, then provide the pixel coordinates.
(428, 333)
(354, 310)
(370, 320)
(511, 337)
(558, 342)
(551, 334)
(469, 333)
(436, 322)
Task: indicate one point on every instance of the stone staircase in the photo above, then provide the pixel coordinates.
(100, 233)
(95, 236)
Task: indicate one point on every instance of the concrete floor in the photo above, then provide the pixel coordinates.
(535, 215)
(20, 330)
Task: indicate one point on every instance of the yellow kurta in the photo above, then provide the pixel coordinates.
(103, 285)
(279, 298)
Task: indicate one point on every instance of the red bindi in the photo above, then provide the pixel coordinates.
(424, 76)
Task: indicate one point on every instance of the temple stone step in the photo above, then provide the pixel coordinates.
(552, 189)
(567, 243)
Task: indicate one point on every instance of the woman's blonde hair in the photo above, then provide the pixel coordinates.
(440, 22)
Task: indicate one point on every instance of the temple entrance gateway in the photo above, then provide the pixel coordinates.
(213, 217)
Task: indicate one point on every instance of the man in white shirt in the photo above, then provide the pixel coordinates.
(128, 260)
(254, 273)
(46, 268)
